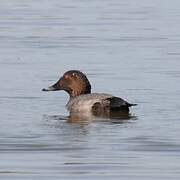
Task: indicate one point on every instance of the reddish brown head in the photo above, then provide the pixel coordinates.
(73, 82)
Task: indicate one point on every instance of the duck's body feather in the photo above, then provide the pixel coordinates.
(96, 102)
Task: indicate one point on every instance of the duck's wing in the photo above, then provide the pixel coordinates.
(109, 104)
(118, 104)
(112, 104)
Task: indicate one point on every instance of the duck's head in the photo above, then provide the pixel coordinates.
(73, 82)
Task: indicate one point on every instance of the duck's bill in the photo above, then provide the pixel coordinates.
(49, 89)
(54, 87)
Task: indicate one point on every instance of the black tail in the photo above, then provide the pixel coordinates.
(129, 105)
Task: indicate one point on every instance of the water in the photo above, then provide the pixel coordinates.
(127, 48)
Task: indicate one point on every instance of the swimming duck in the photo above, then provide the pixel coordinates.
(76, 84)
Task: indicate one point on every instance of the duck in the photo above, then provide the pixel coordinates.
(82, 101)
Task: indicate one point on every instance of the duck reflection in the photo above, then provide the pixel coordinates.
(94, 117)
(79, 124)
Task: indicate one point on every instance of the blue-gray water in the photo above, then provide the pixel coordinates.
(127, 48)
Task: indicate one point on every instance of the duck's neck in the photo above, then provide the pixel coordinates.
(74, 93)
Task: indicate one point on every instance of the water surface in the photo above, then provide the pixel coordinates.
(127, 48)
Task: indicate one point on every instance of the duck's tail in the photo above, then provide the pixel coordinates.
(129, 104)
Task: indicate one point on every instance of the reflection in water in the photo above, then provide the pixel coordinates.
(63, 122)
(85, 119)
(76, 118)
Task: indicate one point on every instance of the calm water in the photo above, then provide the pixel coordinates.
(127, 48)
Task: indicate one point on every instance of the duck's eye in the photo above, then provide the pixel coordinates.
(66, 76)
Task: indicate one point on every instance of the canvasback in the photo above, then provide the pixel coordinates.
(77, 85)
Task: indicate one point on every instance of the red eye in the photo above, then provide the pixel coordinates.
(66, 76)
